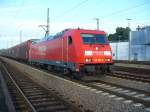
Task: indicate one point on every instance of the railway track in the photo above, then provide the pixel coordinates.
(132, 76)
(136, 97)
(28, 96)
(127, 95)
(137, 71)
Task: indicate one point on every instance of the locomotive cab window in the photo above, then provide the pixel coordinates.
(94, 39)
(69, 40)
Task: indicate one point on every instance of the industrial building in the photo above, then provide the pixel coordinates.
(137, 48)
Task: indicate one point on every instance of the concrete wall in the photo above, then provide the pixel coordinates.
(120, 50)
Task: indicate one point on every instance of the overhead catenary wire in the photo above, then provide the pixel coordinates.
(19, 9)
(14, 19)
(105, 16)
(70, 9)
(125, 9)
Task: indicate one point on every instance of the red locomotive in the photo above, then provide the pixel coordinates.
(75, 50)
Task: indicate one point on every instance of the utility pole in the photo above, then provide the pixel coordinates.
(20, 36)
(128, 22)
(46, 27)
(11, 43)
(47, 22)
(129, 54)
(97, 22)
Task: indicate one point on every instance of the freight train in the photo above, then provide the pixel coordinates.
(76, 51)
(19, 52)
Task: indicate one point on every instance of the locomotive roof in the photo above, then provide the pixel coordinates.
(60, 34)
(78, 29)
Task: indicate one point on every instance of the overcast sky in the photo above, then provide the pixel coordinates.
(26, 15)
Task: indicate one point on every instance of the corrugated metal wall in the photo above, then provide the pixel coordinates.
(138, 52)
(147, 36)
(139, 47)
(141, 37)
(140, 44)
(137, 38)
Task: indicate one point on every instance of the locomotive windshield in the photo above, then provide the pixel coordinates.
(94, 39)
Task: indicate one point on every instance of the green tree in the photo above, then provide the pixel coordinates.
(121, 34)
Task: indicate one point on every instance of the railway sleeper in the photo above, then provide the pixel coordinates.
(52, 108)
(45, 104)
(42, 100)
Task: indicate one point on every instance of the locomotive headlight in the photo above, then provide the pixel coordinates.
(86, 60)
(108, 59)
(107, 53)
(88, 53)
